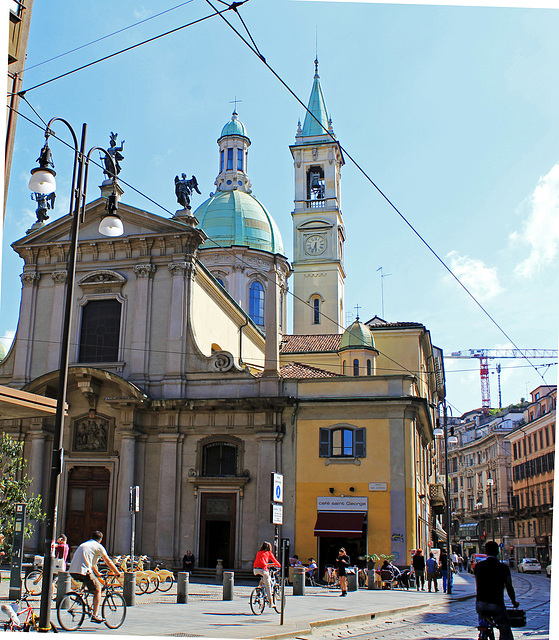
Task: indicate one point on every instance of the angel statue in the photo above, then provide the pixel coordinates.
(112, 166)
(184, 189)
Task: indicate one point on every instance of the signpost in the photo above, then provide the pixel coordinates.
(134, 507)
(276, 518)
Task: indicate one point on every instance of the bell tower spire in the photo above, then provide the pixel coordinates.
(318, 228)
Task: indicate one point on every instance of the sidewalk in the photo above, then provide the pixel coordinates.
(207, 615)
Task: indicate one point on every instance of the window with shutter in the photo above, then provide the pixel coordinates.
(359, 443)
(324, 447)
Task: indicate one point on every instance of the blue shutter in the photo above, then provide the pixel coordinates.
(324, 446)
(359, 443)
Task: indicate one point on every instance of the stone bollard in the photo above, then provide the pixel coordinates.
(219, 570)
(228, 584)
(371, 575)
(352, 581)
(182, 587)
(129, 588)
(63, 585)
(299, 581)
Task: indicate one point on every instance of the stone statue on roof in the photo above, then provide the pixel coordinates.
(184, 189)
(114, 155)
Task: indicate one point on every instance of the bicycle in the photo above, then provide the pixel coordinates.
(14, 612)
(34, 581)
(75, 605)
(258, 596)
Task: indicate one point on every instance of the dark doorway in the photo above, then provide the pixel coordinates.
(328, 549)
(217, 539)
(88, 501)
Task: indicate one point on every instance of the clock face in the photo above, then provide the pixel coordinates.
(315, 245)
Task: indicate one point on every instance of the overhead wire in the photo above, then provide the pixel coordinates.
(378, 189)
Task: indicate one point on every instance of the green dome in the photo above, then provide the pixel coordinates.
(237, 218)
(357, 336)
(234, 128)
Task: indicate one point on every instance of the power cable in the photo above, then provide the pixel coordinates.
(371, 181)
(108, 35)
(231, 7)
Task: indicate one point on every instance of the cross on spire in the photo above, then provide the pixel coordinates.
(235, 101)
(357, 307)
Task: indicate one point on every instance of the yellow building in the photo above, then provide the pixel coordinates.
(363, 456)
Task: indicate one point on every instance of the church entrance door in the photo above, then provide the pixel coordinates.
(217, 529)
(87, 506)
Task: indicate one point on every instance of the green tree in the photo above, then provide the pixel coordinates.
(14, 485)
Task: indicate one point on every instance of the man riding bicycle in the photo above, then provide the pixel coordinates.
(492, 577)
(83, 568)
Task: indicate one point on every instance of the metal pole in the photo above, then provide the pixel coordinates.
(447, 491)
(56, 464)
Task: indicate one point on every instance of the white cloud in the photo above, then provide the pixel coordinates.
(480, 280)
(540, 231)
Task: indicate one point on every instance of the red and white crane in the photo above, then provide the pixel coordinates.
(484, 355)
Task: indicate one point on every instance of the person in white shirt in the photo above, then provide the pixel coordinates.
(84, 569)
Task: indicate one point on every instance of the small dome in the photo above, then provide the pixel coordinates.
(237, 218)
(357, 336)
(234, 128)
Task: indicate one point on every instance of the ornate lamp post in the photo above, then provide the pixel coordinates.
(43, 182)
(448, 439)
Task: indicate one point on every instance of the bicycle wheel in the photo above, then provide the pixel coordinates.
(153, 584)
(257, 601)
(34, 582)
(114, 610)
(142, 586)
(70, 611)
(276, 596)
(166, 583)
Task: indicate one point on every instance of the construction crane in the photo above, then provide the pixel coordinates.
(484, 355)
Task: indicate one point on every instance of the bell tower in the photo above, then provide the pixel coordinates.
(318, 228)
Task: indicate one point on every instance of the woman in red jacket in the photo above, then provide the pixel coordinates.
(265, 558)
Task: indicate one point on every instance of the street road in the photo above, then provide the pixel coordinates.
(456, 622)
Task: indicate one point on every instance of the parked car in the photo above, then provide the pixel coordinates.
(529, 565)
(548, 570)
(477, 557)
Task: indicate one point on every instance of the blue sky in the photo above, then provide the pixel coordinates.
(452, 111)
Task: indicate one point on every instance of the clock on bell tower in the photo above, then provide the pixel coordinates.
(318, 229)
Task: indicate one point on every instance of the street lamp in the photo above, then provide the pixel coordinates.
(490, 483)
(43, 182)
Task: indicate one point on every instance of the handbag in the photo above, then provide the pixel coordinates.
(438, 574)
(59, 564)
(517, 617)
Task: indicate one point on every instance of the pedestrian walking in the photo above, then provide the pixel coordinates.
(432, 567)
(418, 564)
(444, 570)
(342, 562)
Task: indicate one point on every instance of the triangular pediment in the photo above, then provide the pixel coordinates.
(136, 222)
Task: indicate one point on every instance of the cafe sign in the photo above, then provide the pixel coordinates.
(329, 503)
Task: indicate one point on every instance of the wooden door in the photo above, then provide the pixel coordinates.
(217, 529)
(88, 503)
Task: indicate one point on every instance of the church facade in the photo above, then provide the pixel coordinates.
(183, 379)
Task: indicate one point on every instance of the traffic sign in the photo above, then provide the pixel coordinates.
(277, 487)
(276, 514)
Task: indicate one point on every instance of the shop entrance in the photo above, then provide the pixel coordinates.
(328, 551)
(217, 529)
(87, 506)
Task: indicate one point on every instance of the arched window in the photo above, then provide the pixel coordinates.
(219, 459)
(316, 311)
(229, 159)
(356, 367)
(315, 183)
(100, 331)
(256, 303)
(240, 158)
(369, 367)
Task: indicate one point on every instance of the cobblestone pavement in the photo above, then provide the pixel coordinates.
(456, 621)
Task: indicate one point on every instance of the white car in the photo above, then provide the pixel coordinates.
(548, 570)
(529, 565)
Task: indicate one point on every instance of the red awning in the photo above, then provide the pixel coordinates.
(339, 524)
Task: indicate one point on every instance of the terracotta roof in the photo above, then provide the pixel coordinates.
(377, 323)
(298, 370)
(323, 343)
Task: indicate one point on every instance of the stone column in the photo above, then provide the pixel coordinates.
(271, 322)
(26, 328)
(123, 524)
(176, 328)
(56, 320)
(166, 504)
(35, 471)
(139, 353)
(262, 528)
